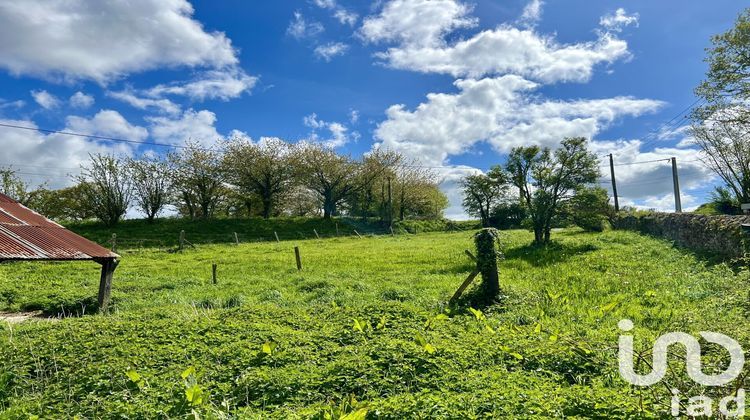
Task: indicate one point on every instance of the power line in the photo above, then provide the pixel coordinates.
(114, 139)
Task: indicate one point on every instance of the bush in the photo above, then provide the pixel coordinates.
(508, 216)
(589, 209)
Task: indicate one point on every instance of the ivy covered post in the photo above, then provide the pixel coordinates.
(488, 254)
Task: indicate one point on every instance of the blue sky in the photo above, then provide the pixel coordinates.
(498, 74)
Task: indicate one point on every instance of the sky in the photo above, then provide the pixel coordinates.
(455, 84)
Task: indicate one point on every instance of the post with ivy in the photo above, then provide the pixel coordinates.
(488, 254)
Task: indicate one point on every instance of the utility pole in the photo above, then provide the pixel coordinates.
(390, 203)
(677, 202)
(614, 184)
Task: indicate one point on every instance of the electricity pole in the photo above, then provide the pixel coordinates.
(676, 180)
(614, 183)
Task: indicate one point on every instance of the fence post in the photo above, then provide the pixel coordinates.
(316, 233)
(182, 240)
(392, 234)
(337, 228)
(358, 235)
(276, 235)
(114, 242)
(236, 239)
(296, 255)
(487, 256)
(213, 273)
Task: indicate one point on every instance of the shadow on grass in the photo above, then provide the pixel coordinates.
(65, 308)
(544, 255)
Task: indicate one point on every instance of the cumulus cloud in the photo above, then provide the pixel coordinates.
(338, 133)
(102, 41)
(45, 99)
(419, 28)
(300, 28)
(499, 111)
(224, 84)
(618, 20)
(328, 51)
(81, 100)
(196, 126)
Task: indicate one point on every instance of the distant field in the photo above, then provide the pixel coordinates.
(358, 329)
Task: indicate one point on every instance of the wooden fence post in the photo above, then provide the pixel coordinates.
(316, 233)
(337, 228)
(392, 234)
(296, 255)
(114, 242)
(360, 236)
(213, 273)
(105, 282)
(236, 239)
(487, 256)
(182, 240)
(276, 235)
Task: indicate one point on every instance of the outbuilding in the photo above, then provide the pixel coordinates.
(25, 235)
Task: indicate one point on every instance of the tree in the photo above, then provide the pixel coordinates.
(546, 180)
(589, 208)
(198, 178)
(727, 82)
(152, 186)
(482, 192)
(266, 169)
(13, 186)
(416, 192)
(722, 123)
(105, 188)
(330, 175)
(725, 147)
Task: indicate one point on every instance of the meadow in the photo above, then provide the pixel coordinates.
(363, 331)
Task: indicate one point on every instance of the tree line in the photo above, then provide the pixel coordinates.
(241, 178)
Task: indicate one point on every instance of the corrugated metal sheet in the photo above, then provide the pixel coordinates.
(27, 235)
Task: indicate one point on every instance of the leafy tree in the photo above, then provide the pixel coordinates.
(332, 176)
(721, 125)
(417, 193)
(63, 204)
(266, 169)
(546, 180)
(508, 216)
(589, 208)
(198, 178)
(105, 188)
(13, 186)
(482, 192)
(152, 186)
(727, 82)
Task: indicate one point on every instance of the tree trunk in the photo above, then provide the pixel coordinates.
(487, 256)
(267, 206)
(538, 235)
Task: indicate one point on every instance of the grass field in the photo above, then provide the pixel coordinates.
(364, 328)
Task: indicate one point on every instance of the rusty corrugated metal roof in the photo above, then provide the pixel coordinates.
(27, 235)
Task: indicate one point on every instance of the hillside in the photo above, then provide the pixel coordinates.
(364, 326)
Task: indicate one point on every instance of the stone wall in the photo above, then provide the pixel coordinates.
(720, 235)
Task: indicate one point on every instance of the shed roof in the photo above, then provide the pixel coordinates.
(27, 235)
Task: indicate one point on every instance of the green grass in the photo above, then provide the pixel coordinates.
(549, 349)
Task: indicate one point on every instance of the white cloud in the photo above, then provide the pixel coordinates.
(300, 28)
(531, 13)
(416, 23)
(328, 51)
(17, 104)
(52, 158)
(197, 126)
(101, 41)
(81, 100)
(221, 84)
(500, 111)
(617, 21)
(344, 16)
(354, 116)
(45, 99)
(418, 29)
(338, 133)
(130, 97)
